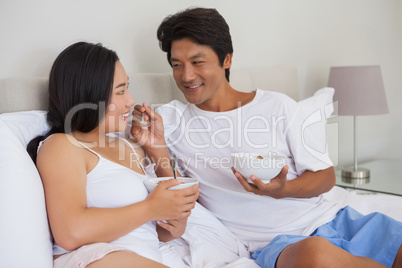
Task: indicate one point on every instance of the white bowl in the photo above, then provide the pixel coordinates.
(264, 166)
(150, 184)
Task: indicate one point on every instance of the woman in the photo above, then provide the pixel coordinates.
(99, 211)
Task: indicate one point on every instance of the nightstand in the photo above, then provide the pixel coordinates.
(385, 177)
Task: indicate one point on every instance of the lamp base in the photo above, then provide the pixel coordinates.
(359, 175)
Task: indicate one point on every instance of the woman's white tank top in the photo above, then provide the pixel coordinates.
(111, 185)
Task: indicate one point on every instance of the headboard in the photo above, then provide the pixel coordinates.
(24, 94)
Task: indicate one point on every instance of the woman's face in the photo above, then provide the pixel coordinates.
(118, 111)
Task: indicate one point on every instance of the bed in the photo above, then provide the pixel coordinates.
(25, 239)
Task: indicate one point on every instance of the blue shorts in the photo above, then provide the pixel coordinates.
(375, 236)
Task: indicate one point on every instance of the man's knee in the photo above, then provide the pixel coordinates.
(309, 252)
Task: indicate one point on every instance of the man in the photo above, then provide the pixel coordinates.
(289, 212)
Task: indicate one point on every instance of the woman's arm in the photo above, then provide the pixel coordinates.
(153, 140)
(171, 229)
(63, 168)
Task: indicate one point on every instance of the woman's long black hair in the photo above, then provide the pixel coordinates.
(80, 85)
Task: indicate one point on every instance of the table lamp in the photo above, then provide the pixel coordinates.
(359, 90)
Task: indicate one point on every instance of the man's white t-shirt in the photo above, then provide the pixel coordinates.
(202, 142)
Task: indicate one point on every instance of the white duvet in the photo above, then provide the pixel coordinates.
(208, 244)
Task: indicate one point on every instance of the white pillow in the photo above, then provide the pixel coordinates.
(312, 116)
(25, 239)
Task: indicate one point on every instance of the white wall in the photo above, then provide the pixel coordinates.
(309, 34)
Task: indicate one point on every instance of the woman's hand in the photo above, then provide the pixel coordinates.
(175, 227)
(168, 204)
(152, 139)
(275, 188)
(148, 136)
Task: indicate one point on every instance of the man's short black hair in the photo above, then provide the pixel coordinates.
(204, 25)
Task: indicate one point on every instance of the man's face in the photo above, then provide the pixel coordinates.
(197, 71)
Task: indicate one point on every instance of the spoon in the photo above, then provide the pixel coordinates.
(142, 123)
(173, 165)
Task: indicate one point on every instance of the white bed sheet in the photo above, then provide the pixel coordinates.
(368, 202)
(207, 243)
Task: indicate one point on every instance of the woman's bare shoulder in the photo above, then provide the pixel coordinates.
(60, 150)
(59, 141)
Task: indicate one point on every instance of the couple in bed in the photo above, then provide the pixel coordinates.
(99, 211)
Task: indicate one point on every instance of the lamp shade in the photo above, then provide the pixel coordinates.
(359, 90)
